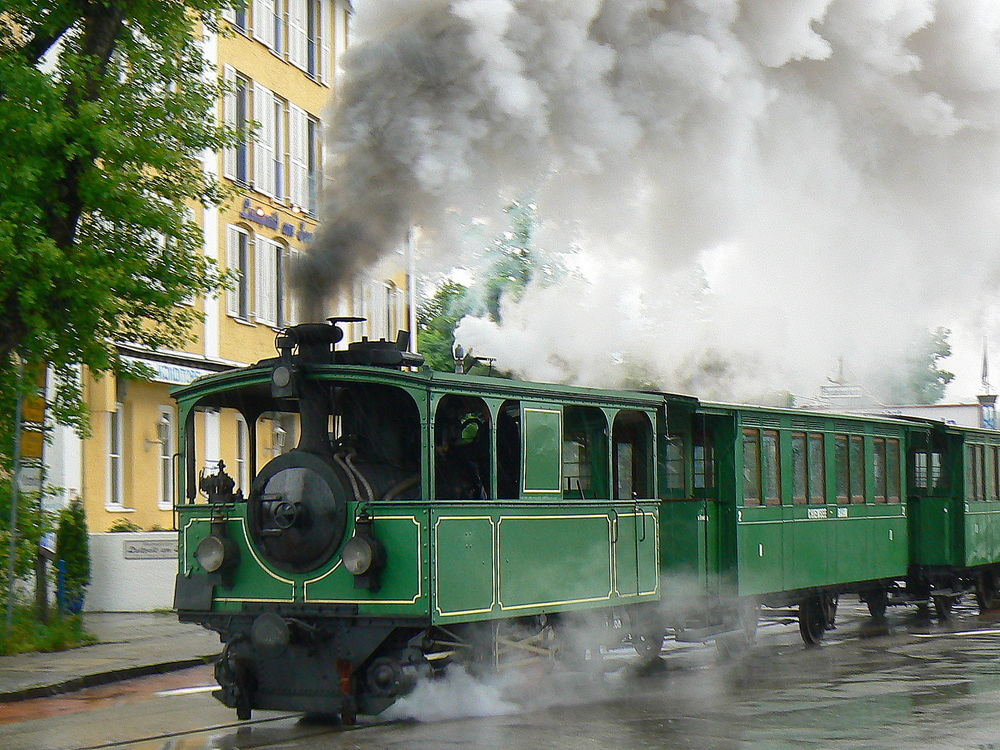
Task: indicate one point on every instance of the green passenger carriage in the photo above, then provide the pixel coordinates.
(409, 520)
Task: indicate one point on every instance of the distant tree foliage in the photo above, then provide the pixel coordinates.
(511, 260)
(104, 109)
(920, 380)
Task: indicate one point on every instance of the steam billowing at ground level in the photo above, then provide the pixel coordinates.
(749, 190)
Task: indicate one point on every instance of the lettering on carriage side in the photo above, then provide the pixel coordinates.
(841, 512)
(817, 513)
(760, 550)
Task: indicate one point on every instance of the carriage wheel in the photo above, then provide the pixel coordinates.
(942, 606)
(812, 620)
(877, 602)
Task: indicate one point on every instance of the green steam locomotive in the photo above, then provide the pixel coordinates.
(424, 519)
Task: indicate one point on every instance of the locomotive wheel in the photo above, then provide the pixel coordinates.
(648, 644)
(812, 620)
(987, 591)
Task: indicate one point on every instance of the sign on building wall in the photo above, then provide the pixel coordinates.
(149, 549)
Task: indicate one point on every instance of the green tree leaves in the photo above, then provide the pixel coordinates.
(105, 108)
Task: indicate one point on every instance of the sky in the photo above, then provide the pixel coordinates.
(748, 193)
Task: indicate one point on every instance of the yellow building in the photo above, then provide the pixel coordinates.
(281, 61)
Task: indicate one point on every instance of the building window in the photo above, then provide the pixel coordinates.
(165, 435)
(116, 447)
(266, 22)
(314, 165)
(270, 277)
(280, 180)
(265, 139)
(238, 261)
(236, 15)
(236, 114)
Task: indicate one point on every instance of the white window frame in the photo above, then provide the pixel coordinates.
(238, 117)
(263, 141)
(263, 21)
(298, 156)
(268, 259)
(166, 429)
(298, 33)
(242, 454)
(238, 302)
(314, 162)
(115, 480)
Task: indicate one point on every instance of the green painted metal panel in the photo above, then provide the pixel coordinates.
(682, 551)
(635, 553)
(760, 550)
(807, 546)
(554, 558)
(888, 540)
(982, 533)
(404, 581)
(464, 571)
(541, 450)
(932, 531)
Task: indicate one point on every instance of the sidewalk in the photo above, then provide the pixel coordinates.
(130, 644)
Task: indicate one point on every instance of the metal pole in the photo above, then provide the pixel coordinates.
(13, 495)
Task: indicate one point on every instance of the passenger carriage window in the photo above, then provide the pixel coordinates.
(462, 449)
(770, 470)
(632, 438)
(993, 478)
(938, 480)
(751, 467)
(675, 462)
(971, 473)
(799, 472)
(509, 450)
(704, 467)
(585, 452)
(920, 469)
(881, 476)
(892, 469)
(840, 459)
(817, 473)
(704, 459)
(981, 484)
(857, 469)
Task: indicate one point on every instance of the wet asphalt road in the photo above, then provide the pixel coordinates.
(921, 685)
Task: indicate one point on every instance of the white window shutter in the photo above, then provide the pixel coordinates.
(229, 118)
(292, 297)
(233, 264)
(266, 281)
(263, 113)
(297, 30)
(298, 155)
(325, 36)
(263, 21)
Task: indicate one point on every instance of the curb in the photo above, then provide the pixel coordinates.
(103, 678)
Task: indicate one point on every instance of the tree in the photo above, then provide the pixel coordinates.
(919, 379)
(511, 262)
(104, 109)
(73, 549)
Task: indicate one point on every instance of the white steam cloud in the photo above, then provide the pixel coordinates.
(758, 187)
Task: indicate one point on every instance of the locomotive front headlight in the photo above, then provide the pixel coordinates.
(358, 555)
(214, 553)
